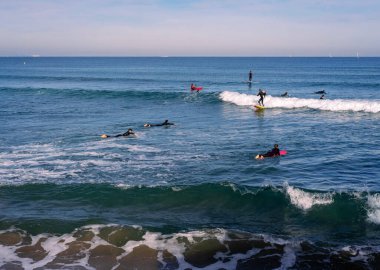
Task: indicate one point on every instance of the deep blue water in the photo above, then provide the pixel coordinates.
(200, 173)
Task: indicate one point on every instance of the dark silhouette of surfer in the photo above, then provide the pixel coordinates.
(275, 152)
(125, 134)
(165, 123)
(262, 94)
(320, 92)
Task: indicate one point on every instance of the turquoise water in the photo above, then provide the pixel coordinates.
(57, 174)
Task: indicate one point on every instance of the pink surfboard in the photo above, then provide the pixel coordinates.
(283, 152)
(196, 88)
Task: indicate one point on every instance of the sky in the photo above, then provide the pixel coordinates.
(189, 27)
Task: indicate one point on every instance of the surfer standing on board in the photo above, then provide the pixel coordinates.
(250, 75)
(262, 94)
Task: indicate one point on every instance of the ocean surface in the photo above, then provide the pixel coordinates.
(191, 195)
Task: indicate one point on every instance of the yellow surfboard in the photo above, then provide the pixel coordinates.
(258, 107)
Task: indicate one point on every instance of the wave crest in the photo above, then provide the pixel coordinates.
(294, 103)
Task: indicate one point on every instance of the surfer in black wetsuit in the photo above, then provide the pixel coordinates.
(262, 94)
(165, 123)
(275, 152)
(125, 134)
(320, 92)
(285, 94)
(250, 75)
(322, 97)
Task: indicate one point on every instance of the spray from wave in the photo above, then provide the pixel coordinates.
(294, 103)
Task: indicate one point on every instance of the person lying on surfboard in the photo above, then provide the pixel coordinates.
(262, 94)
(320, 92)
(193, 87)
(165, 123)
(125, 134)
(275, 152)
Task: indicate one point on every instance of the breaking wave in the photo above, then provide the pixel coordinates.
(294, 103)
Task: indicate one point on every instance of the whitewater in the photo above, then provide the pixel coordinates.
(335, 105)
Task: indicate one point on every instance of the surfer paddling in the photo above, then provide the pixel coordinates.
(320, 92)
(193, 87)
(165, 123)
(125, 134)
(275, 152)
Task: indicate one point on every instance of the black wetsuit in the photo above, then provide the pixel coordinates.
(320, 92)
(166, 123)
(262, 95)
(274, 152)
(250, 76)
(126, 134)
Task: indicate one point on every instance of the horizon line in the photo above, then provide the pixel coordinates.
(186, 56)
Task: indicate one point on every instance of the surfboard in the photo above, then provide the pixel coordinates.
(258, 107)
(282, 153)
(196, 89)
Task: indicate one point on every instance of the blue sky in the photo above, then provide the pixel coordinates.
(189, 27)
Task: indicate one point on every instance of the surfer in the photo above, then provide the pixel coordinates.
(322, 97)
(262, 94)
(275, 152)
(193, 87)
(165, 123)
(125, 134)
(285, 94)
(250, 75)
(320, 92)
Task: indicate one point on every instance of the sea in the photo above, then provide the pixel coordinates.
(189, 195)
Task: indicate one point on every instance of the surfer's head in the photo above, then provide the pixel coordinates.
(276, 146)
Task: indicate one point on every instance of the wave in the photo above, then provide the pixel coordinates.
(208, 97)
(84, 79)
(113, 246)
(219, 200)
(337, 105)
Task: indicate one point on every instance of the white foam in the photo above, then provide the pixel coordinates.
(373, 214)
(41, 163)
(305, 200)
(293, 103)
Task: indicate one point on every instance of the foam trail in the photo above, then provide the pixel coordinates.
(374, 208)
(293, 103)
(306, 200)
